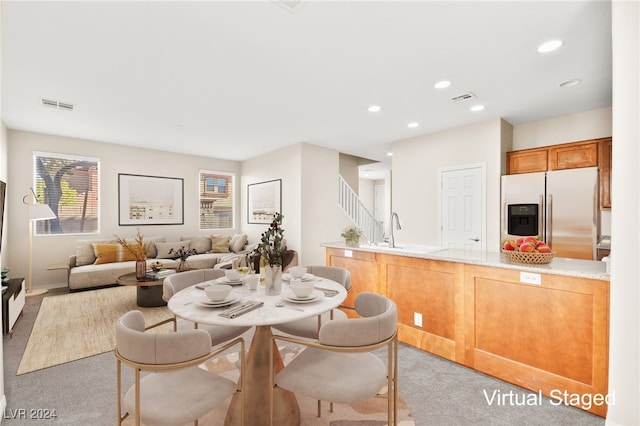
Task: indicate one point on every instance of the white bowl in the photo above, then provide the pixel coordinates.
(297, 271)
(218, 292)
(301, 288)
(232, 274)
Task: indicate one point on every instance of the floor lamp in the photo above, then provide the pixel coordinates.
(37, 212)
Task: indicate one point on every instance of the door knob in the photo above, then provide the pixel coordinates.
(476, 239)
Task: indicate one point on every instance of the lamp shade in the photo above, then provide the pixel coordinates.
(41, 212)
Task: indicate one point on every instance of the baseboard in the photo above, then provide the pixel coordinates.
(3, 406)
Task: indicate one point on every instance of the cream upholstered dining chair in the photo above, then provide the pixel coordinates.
(175, 390)
(181, 280)
(309, 327)
(341, 367)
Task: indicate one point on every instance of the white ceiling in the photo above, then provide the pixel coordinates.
(237, 79)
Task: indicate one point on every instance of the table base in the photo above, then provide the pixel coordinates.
(150, 296)
(286, 410)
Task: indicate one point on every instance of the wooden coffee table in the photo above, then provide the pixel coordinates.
(149, 292)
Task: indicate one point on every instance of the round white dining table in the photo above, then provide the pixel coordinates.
(188, 304)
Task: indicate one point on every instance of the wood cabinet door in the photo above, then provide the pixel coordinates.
(604, 163)
(573, 156)
(363, 269)
(527, 161)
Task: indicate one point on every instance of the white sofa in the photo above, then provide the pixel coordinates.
(85, 270)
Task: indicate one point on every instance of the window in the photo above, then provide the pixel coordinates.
(216, 200)
(69, 185)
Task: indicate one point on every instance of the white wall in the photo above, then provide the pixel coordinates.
(415, 175)
(114, 159)
(624, 348)
(567, 128)
(309, 176)
(322, 217)
(284, 164)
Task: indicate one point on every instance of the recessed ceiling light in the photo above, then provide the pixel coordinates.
(570, 83)
(413, 124)
(549, 46)
(476, 108)
(389, 154)
(442, 84)
(374, 108)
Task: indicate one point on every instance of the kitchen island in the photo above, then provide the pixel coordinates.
(542, 327)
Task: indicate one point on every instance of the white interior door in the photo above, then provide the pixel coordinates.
(462, 208)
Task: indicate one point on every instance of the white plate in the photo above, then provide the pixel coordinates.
(306, 277)
(290, 296)
(208, 303)
(225, 280)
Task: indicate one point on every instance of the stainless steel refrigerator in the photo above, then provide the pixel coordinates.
(560, 207)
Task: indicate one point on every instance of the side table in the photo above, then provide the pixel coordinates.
(13, 300)
(149, 291)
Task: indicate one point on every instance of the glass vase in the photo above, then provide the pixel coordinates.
(183, 266)
(141, 270)
(272, 279)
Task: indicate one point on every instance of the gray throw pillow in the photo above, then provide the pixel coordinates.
(237, 243)
(165, 248)
(201, 244)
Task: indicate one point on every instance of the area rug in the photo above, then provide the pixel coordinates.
(372, 412)
(78, 325)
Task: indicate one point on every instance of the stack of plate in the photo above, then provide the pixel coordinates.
(227, 281)
(305, 277)
(290, 296)
(206, 302)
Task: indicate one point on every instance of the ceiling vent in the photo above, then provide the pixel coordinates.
(290, 5)
(463, 97)
(49, 103)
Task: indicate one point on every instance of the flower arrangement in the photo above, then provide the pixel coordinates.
(137, 248)
(351, 233)
(270, 246)
(182, 253)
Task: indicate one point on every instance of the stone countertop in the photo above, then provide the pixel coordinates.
(559, 266)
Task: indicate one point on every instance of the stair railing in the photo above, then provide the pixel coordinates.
(351, 205)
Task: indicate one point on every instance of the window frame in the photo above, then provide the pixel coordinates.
(204, 195)
(35, 176)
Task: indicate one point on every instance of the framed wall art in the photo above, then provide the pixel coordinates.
(263, 201)
(150, 200)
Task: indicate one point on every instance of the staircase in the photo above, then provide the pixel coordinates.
(350, 203)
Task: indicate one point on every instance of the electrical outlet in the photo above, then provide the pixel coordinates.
(417, 319)
(530, 278)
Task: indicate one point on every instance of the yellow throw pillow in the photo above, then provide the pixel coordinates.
(110, 253)
(219, 244)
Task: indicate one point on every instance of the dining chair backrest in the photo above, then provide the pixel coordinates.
(181, 280)
(340, 275)
(134, 344)
(378, 322)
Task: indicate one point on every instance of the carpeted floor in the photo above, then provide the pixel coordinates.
(437, 391)
(372, 412)
(74, 326)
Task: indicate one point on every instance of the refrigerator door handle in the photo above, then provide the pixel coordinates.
(549, 220)
(542, 230)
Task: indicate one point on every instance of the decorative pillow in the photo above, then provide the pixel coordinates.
(199, 243)
(84, 251)
(110, 253)
(153, 251)
(219, 244)
(237, 243)
(251, 247)
(165, 248)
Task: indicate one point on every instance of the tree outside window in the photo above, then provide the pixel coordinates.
(216, 200)
(69, 185)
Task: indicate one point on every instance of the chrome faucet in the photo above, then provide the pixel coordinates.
(392, 242)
